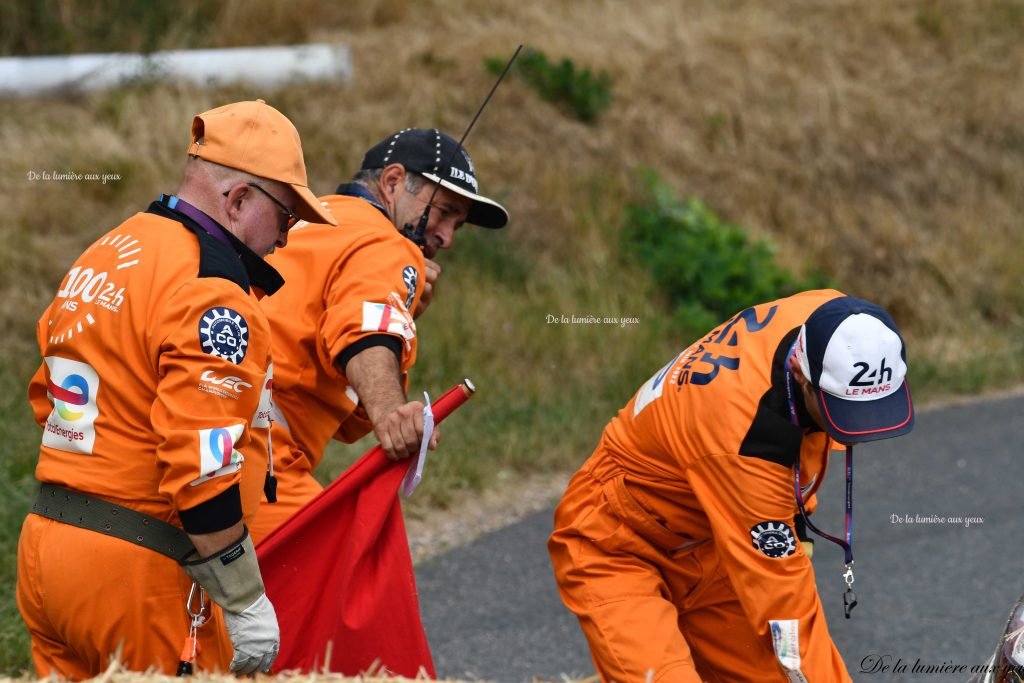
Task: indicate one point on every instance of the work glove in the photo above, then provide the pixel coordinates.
(255, 637)
(232, 579)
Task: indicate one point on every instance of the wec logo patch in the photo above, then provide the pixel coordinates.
(224, 387)
(224, 333)
(230, 383)
(774, 539)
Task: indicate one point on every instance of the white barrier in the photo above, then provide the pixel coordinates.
(264, 66)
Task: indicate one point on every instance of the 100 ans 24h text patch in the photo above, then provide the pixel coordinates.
(224, 333)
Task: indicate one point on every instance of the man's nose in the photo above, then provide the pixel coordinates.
(445, 234)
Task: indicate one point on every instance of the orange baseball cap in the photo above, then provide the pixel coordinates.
(256, 138)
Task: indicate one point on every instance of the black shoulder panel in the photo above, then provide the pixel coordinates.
(215, 258)
(772, 436)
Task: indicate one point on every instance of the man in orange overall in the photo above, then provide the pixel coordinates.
(154, 398)
(344, 336)
(674, 544)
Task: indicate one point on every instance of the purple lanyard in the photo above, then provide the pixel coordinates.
(849, 597)
(205, 222)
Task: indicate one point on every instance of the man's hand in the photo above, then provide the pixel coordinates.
(433, 271)
(255, 636)
(397, 423)
(400, 432)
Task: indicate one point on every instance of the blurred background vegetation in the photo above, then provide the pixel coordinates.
(664, 161)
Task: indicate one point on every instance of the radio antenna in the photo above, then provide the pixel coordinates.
(416, 234)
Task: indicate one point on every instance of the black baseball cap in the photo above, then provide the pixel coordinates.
(853, 354)
(437, 157)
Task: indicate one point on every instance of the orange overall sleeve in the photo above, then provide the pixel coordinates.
(749, 504)
(204, 437)
(371, 295)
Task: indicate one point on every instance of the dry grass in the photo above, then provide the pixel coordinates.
(115, 673)
(879, 140)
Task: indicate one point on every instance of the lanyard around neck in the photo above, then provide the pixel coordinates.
(211, 226)
(849, 598)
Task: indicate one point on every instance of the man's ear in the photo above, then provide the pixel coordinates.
(391, 178)
(234, 197)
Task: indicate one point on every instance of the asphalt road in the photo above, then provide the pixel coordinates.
(930, 593)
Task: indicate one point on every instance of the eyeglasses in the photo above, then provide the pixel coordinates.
(443, 208)
(292, 218)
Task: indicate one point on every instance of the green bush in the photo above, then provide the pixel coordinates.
(707, 268)
(581, 94)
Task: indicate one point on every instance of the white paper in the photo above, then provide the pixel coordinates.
(414, 474)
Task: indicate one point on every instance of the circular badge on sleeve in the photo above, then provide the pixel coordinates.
(774, 539)
(224, 333)
(411, 278)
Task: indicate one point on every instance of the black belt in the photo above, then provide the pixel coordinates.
(95, 514)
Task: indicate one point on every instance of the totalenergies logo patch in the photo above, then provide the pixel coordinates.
(72, 391)
(73, 387)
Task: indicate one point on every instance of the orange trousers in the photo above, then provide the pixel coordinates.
(83, 595)
(645, 610)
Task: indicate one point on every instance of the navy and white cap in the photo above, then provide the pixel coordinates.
(437, 157)
(853, 354)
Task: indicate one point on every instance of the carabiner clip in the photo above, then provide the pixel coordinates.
(849, 597)
(197, 618)
(190, 650)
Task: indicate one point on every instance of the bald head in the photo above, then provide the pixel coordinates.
(204, 183)
(255, 215)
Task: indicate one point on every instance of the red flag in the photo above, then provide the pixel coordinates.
(339, 571)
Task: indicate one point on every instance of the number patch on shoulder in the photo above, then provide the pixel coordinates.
(701, 366)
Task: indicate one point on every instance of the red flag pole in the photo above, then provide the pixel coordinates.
(339, 571)
(452, 399)
(441, 408)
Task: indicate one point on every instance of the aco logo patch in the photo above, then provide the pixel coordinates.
(224, 333)
(774, 539)
(411, 277)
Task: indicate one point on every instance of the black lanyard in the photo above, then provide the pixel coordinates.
(849, 597)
